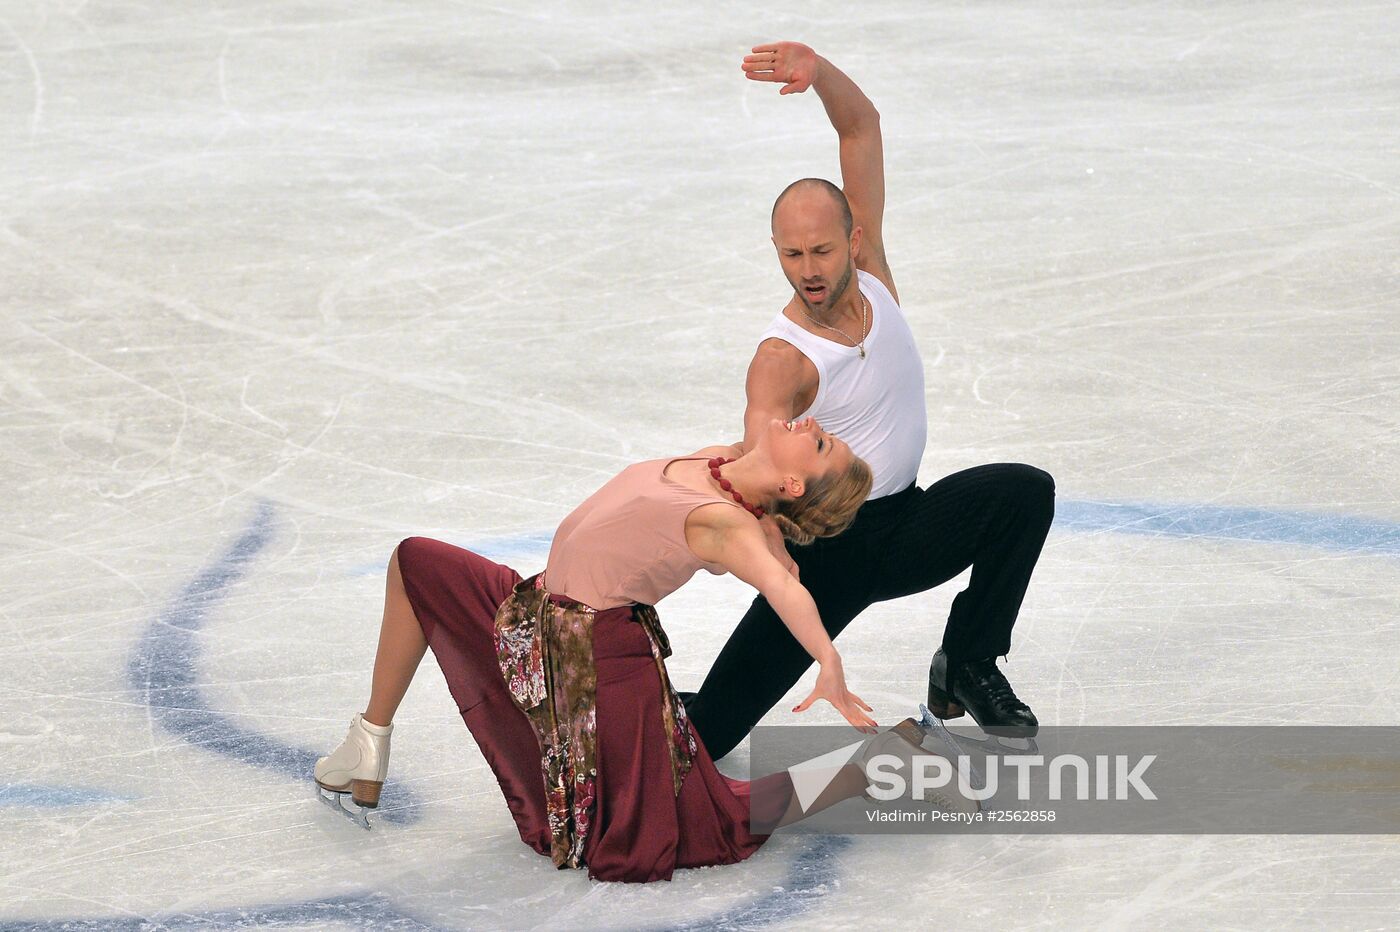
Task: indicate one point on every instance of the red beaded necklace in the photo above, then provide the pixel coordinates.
(715, 464)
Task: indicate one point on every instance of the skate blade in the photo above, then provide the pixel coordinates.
(931, 736)
(973, 734)
(336, 800)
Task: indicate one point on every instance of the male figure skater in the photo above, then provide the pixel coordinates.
(841, 352)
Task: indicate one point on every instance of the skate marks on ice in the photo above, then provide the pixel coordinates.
(26, 729)
(164, 672)
(814, 873)
(368, 911)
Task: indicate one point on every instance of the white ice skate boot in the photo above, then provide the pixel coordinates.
(897, 749)
(357, 768)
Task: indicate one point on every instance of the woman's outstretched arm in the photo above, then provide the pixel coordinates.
(733, 539)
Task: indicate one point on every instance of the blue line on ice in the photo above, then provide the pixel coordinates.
(367, 911)
(53, 796)
(1340, 533)
(164, 672)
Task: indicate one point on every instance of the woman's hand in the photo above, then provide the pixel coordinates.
(790, 64)
(730, 537)
(831, 686)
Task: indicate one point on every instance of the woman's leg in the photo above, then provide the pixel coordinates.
(454, 596)
(776, 793)
(401, 649)
(849, 782)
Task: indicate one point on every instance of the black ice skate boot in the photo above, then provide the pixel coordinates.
(977, 686)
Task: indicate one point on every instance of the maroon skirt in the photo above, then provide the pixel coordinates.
(642, 830)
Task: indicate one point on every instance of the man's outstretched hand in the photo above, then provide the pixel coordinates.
(790, 64)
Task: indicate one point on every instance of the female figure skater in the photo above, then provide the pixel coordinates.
(561, 677)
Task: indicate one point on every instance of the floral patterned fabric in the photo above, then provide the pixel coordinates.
(545, 652)
(673, 713)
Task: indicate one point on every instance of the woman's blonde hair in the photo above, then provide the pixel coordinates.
(829, 505)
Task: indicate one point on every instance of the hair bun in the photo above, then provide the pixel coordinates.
(791, 531)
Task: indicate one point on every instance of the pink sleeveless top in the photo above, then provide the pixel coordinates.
(626, 542)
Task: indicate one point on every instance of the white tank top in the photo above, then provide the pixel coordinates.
(875, 404)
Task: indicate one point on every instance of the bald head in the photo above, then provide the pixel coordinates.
(807, 195)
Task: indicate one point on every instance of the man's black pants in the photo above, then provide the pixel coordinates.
(992, 518)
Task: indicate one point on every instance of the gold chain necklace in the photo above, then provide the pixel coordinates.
(864, 309)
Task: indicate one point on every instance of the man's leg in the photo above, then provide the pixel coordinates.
(994, 519)
(761, 661)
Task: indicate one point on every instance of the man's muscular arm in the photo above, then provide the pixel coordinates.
(781, 384)
(857, 125)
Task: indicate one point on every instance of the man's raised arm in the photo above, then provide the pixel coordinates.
(857, 125)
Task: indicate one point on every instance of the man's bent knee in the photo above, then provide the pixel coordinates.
(1033, 485)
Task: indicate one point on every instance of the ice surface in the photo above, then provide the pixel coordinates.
(283, 283)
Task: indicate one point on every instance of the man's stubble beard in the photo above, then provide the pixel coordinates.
(837, 291)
